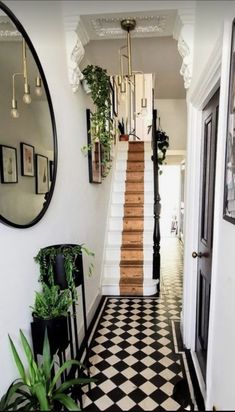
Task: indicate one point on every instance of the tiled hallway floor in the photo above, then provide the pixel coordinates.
(134, 355)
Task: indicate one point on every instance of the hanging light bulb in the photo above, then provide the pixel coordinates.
(38, 86)
(14, 110)
(26, 97)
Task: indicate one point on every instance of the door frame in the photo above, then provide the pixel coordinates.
(215, 72)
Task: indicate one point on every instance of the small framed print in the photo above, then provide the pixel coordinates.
(42, 183)
(8, 156)
(27, 159)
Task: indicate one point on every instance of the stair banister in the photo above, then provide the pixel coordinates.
(157, 204)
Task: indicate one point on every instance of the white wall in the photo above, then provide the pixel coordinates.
(173, 118)
(209, 24)
(77, 212)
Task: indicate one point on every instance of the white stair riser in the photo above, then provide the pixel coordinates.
(114, 238)
(148, 198)
(148, 210)
(120, 176)
(118, 198)
(148, 176)
(119, 186)
(112, 271)
(117, 211)
(121, 165)
(113, 254)
(123, 146)
(122, 155)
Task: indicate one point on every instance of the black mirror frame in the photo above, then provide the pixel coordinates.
(21, 29)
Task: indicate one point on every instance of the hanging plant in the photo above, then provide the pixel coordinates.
(101, 122)
(70, 255)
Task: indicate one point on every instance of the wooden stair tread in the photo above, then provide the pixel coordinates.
(133, 263)
(127, 246)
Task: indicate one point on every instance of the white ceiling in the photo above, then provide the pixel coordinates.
(153, 48)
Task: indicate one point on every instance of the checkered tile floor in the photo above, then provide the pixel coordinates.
(133, 353)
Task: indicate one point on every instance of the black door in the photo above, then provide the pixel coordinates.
(204, 254)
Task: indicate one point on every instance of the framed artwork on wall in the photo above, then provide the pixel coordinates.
(229, 179)
(94, 154)
(27, 159)
(42, 183)
(8, 159)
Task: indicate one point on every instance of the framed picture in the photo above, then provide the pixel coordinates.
(27, 159)
(229, 179)
(42, 183)
(8, 157)
(94, 154)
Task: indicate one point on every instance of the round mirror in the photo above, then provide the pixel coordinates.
(28, 145)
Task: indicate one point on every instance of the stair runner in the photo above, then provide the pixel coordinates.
(132, 254)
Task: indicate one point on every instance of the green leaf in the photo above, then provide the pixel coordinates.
(6, 398)
(46, 355)
(77, 381)
(42, 396)
(67, 402)
(66, 365)
(33, 368)
(18, 362)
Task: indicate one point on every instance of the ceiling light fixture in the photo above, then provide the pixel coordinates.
(26, 96)
(125, 52)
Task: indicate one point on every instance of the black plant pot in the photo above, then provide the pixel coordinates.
(59, 270)
(57, 330)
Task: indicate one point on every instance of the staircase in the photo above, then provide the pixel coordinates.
(129, 241)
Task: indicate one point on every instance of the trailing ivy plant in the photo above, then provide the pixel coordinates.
(46, 259)
(101, 122)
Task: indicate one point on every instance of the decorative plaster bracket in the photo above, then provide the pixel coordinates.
(76, 38)
(184, 33)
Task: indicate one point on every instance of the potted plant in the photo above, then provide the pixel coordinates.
(101, 122)
(123, 136)
(38, 388)
(62, 265)
(50, 312)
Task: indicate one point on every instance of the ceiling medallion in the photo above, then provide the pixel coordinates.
(144, 24)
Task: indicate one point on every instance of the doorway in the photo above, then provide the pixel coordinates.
(205, 235)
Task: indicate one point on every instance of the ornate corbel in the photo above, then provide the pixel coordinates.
(183, 33)
(76, 39)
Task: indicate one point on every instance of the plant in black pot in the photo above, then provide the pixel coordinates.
(62, 265)
(50, 311)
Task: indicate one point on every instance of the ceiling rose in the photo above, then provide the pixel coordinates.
(144, 24)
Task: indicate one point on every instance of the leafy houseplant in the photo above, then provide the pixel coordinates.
(50, 313)
(38, 388)
(62, 264)
(101, 122)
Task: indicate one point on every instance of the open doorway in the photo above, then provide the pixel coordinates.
(169, 189)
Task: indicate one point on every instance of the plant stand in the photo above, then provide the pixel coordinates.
(76, 350)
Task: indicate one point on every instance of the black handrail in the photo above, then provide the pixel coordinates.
(157, 204)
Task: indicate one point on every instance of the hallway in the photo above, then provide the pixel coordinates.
(135, 350)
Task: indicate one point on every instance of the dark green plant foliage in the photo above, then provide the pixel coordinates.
(51, 302)
(101, 122)
(121, 127)
(46, 259)
(163, 144)
(38, 389)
